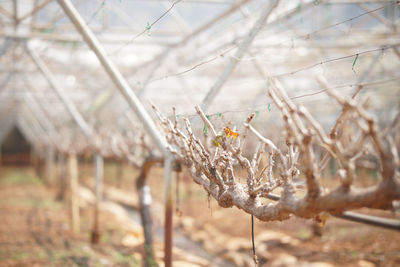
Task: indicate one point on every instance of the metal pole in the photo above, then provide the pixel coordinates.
(40, 129)
(35, 9)
(158, 61)
(145, 201)
(5, 46)
(44, 107)
(371, 220)
(114, 74)
(33, 20)
(169, 204)
(86, 129)
(358, 217)
(26, 130)
(137, 107)
(40, 123)
(31, 101)
(15, 9)
(238, 55)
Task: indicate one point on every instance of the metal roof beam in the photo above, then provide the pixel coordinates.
(70, 106)
(115, 75)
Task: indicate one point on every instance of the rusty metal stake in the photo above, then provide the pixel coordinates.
(169, 205)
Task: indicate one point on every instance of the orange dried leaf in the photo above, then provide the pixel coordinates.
(230, 133)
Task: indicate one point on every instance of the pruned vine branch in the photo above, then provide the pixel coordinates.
(218, 164)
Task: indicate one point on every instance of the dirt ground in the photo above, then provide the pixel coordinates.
(289, 243)
(35, 230)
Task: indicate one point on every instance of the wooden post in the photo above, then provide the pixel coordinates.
(73, 182)
(49, 165)
(35, 161)
(61, 174)
(98, 169)
(119, 171)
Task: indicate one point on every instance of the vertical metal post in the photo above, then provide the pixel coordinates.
(73, 179)
(169, 207)
(144, 209)
(98, 169)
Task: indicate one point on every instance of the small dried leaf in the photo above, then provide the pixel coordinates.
(322, 218)
(230, 133)
(216, 143)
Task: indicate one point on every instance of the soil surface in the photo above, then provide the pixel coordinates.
(35, 230)
(295, 242)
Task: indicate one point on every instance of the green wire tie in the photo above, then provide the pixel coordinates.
(100, 9)
(205, 128)
(299, 10)
(219, 114)
(257, 113)
(354, 63)
(269, 107)
(148, 27)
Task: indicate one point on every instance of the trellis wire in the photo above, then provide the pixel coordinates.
(308, 35)
(147, 28)
(382, 48)
(100, 7)
(256, 108)
(220, 55)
